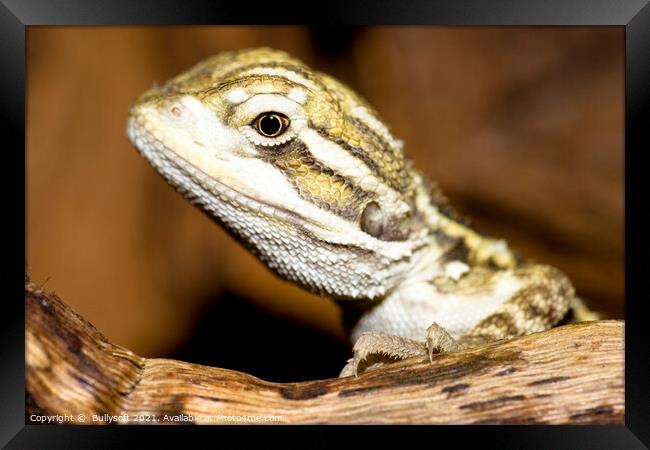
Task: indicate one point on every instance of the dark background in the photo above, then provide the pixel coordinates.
(522, 127)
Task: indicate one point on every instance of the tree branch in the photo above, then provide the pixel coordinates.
(570, 374)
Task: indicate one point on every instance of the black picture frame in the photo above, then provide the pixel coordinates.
(633, 15)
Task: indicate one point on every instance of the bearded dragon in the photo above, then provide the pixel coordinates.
(306, 175)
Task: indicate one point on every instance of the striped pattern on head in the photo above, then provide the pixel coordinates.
(334, 175)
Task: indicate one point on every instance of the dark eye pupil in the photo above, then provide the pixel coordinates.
(270, 125)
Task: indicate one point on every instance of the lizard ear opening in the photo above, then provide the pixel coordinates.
(372, 220)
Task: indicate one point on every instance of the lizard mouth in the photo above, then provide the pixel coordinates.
(179, 172)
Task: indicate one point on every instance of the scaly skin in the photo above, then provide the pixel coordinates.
(306, 175)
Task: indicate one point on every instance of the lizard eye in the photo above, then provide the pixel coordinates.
(271, 124)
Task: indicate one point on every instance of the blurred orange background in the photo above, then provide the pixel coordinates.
(522, 127)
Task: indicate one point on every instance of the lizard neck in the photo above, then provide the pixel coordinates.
(427, 263)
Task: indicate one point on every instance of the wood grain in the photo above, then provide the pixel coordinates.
(570, 374)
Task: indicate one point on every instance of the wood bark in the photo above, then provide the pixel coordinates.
(570, 374)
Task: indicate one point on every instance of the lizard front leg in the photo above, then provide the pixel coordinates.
(375, 348)
(483, 306)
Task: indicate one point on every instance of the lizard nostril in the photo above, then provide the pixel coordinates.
(176, 111)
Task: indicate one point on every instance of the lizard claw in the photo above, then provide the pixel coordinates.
(439, 341)
(374, 348)
(349, 369)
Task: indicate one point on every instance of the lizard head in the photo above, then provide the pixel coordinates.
(294, 164)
